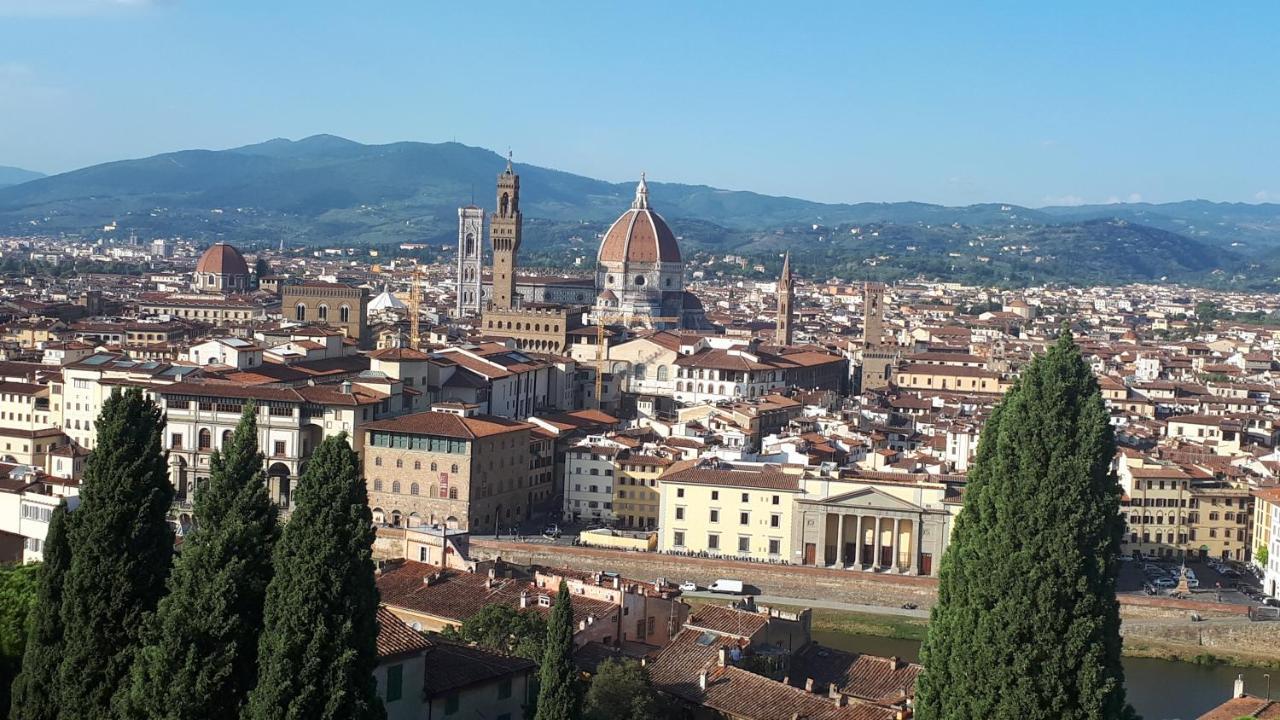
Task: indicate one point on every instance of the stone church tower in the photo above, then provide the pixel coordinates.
(783, 334)
(470, 261)
(504, 232)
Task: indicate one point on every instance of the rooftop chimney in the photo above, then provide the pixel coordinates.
(836, 696)
(1238, 689)
(524, 599)
(724, 656)
(702, 679)
(346, 387)
(808, 684)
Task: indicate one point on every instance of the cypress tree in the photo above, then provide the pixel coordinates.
(319, 642)
(1027, 624)
(121, 547)
(559, 692)
(201, 660)
(34, 690)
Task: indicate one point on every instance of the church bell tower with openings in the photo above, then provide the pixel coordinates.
(784, 334)
(504, 233)
(470, 261)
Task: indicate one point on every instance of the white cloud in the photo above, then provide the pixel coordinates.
(1134, 198)
(1068, 200)
(1263, 196)
(71, 8)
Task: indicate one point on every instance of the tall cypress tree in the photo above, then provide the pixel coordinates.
(34, 690)
(121, 547)
(201, 659)
(319, 642)
(559, 692)
(1027, 624)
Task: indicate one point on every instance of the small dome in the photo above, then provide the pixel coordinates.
(640, 235)
(222, 259)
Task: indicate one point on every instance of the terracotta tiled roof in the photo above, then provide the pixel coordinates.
(1247, 706)
(727, 621)
(452, 667)
(396, 638)
(880, 680)
(732, 478)
(449, 425)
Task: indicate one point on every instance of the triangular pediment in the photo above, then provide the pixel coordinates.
(870, 499)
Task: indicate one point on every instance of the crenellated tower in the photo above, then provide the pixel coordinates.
(504, 234)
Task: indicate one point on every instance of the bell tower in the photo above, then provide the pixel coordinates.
(504, 233)
(783, 332)
(470, 260)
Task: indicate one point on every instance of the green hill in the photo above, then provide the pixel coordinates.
(13, 175)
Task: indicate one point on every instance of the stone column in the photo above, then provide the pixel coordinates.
(914, 551)
(875, 543)
(840, 541)
(893, 542)
(857, 542)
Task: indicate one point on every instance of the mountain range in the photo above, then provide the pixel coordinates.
(13, 175)
(325, 190)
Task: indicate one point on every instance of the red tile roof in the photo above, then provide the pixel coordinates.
(395, 638)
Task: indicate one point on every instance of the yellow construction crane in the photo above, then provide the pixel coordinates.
(602, 351)
(415, 302)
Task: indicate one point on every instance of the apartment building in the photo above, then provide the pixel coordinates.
(440, 468)
(589, 481)
(720, 509)
(635, 489)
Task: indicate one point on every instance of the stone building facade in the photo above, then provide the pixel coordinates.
(332, 304)
(441, 468)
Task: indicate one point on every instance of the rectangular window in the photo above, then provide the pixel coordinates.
(175, 441)
(776, 500)
(744, 544)
(745, 497)
(715, 516)
(679, 513)
(677, 538)
(744, 518)
(278, 448)
(775, 520)
(775, 547)
(713, 542)
(504, 689)
(715, 494)
(395, 682)
(679, 492)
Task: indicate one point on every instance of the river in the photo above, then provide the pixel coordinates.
(1158, 689)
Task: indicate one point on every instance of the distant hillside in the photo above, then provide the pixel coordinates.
(327, 190)
(13, 175)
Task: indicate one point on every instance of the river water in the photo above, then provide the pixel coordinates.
(1158, 689)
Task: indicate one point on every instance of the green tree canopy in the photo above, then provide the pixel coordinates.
(32, 698)
(559, 692)
(1027, 624)
(201, 659)
(620, 690)
(504, 629)
(121, 547)
(318, 648)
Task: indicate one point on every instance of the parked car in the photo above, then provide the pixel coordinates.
(1193, 583)
(688, 586)
(1166, 582)
(732, 587)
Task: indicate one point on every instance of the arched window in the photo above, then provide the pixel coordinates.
(639, 371)
(454, 469)
(502, 205)
(377, 461)
(453, 493)
(377, 484)
(443, 491)
(433, 466)
(469, 245)
(205, 439)
(344, 313)
(399, 463)
(662, 372)
(300, 312)
(431, 492)
(639, 279)
(417, 464)
(395, 518)
(226, 437)
(395, 486)
(413, 489)
(322, 312)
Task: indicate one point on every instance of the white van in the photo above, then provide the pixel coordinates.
(732, 587)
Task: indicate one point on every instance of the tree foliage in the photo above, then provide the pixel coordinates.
(318, 647)
(202, 651)
(1027, 623)
(121, 546)
(42, 654)
(559, 692)
(504, 629)
(620, 690)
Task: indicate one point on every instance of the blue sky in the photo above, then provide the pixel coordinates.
(835, 101)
